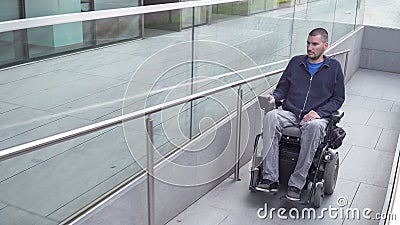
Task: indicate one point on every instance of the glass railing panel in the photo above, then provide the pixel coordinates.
(113, 4)
(160, 23)
(257, 6)
(345, 16)
(36, 43)
(68, 92)
(10, 10)
(201, 16)
(360, 13)
(232, 49)
(381, 14)
(12, 46)
(116, 29)
(318, 14)
(164, 75)
(229, 10)
(47, 186)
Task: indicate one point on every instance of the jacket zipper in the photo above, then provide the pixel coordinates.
(305, 101)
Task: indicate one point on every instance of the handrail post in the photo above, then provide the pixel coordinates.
(238, 131)
(150, 171)
(346, 60)
(142, 20)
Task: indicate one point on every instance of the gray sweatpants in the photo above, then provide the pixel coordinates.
(312, 134)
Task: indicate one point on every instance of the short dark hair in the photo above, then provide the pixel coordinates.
(320, 31)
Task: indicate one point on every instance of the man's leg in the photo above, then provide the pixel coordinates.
(312, 134)
(274, 122)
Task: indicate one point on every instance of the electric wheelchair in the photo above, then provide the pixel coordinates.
(322, 175)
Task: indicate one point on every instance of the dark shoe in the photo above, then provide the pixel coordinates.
(269, 185)
(293, 193)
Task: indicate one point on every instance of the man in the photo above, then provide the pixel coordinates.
(312, 87)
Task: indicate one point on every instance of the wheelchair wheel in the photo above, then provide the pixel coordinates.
(331, 174)
(317, 195)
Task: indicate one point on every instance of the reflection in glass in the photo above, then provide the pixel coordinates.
(11, 43)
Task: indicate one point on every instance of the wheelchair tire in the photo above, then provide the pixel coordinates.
(331, 174)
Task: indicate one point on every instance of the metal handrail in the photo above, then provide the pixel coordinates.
(54, 139)
(20, 24)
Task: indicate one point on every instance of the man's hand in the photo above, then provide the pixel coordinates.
(270, 99)
(311, 116)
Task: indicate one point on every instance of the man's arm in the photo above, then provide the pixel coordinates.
(283, 85)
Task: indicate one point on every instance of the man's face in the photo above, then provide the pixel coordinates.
(316, 47)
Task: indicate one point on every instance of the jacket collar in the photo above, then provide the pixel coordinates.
(304, 59)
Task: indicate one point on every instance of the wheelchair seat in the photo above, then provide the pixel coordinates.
(292, 131)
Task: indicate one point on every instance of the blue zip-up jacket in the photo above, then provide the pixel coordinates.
(323, 92)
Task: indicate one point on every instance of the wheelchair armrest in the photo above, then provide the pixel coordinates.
(336, 116)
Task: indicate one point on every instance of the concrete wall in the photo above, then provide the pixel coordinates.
(380, 49)
(209, 160)
(353, 41)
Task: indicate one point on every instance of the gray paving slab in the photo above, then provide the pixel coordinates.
(116, 69)
(356, 114)
(388, 140)
(23, 119)
(102, 103)
(203, 215)
(82, 200)
(362, 135)
(70, 91)
(17, 165)
(24, 71)
(149, 46)
(6, 107)
(31, 85)
(368, 166)
(343, 151)
(377, 104)
(367, 197)
(374, 84)
(354, 100)
(91, 60)
(56, 125)
(2, 205)
(16, 216)
(395, 107)
(392, 94)
(387, 120)
(245, 219)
